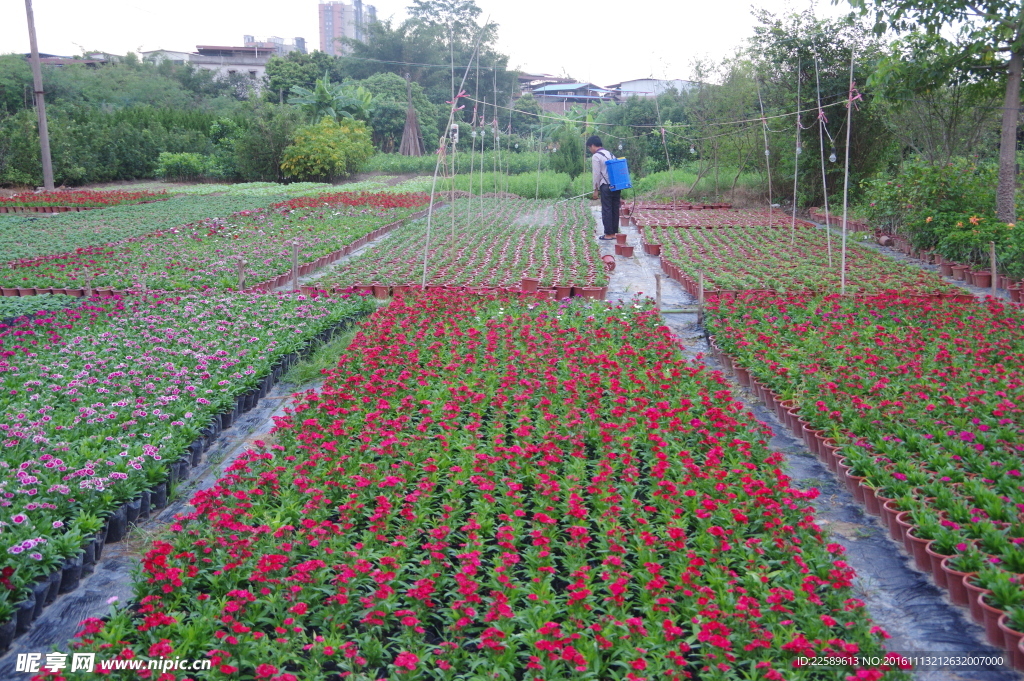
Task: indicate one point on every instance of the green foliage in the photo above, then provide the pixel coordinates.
(388, 110)
(335, 100)
(327, 150)
(526, 115)
(15, 83)
(186, 167)
(546, 185)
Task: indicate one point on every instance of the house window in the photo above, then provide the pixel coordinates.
(231, 72)
(252, 74)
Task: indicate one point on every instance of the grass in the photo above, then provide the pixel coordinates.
(324, 357)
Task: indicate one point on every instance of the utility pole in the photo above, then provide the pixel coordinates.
(37, 81)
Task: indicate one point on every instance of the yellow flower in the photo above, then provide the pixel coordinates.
(928, 219)
(974, 220)
(1010, 225)
(959, 224)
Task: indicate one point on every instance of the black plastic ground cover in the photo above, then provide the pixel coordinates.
(87, 585)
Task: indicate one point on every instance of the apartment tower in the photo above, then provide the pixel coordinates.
(342, 20)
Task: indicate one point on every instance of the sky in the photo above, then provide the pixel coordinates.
(599, 41)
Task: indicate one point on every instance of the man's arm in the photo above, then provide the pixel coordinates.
(595, 170)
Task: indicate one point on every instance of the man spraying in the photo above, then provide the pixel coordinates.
(603, 187)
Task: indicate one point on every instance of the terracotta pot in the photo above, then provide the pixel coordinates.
(742, 376)
(562, 292)
(1014, 293)
(620, 238)
(627, 251)
(654, 249)
(946, 268)
(529, 285)
(992, 616)
(76, 292)
(24, 292)
(381, 291)
(609, 262)
(889, 512)
(936, 563)
(592, 292)
(623, 221)
(918, 548)
(618, 249)
(955, 583)
(871, 504)
(905, 525)
(958, 272)
(1011, 642)
(855, 484)
(974, 594)
(982, 278)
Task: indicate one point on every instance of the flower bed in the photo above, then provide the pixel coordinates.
(12, 308)
(210, 253)
(24, 237)
(100, 402)
(494, 247)
(488, 487)
(79, 199)
(925, 400)
(759, 258)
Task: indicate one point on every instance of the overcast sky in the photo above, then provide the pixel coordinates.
(598, 41)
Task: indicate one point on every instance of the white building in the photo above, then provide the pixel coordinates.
(650, 87)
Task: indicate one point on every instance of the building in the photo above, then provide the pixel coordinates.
(649, 87)
(560, 97)
(341, 20)
(276, 45)
(173, 56)
(528, 82)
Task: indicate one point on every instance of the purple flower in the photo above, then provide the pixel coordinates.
(19, 518)
(35, 556)
(966, 436)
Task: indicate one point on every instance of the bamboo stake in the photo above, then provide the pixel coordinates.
(295, 265)
(846, 177)
(824, 184)
(767, 155)
(992, 261)
(657, 289)
(241, 274)
(796, 155)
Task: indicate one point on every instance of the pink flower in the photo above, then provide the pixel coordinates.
(406, 660)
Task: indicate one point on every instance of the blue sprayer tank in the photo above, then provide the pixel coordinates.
(618, 174)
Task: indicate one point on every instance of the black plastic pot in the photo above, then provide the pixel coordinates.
(101, 539)
(54, 579)
(195, 452)
(89, 556)
(226, 418)
(133, 509)
(7, 634)
(25, 615)
(144, 508)
(184, 467)
(39, 591)
(71, 574)
(158, 496)
(117, 525)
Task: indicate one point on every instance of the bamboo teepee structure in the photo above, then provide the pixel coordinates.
(412, 139)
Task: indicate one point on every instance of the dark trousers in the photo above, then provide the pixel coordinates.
(610, 210)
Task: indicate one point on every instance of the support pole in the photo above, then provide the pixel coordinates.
(796, 156)
(241, 274)
(846, 178)
(700, 297)
(767, 155)
(824, 182)
(37, 84)
(992, 261)
(657, 289)
(295, 265)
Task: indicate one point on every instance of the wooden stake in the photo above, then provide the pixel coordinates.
(241, 274)
(700, 296)
(40, 100)
(992, 260)
(657, 288)
(846, 178)
(295, 266)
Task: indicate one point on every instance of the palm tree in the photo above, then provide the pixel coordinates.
(336, 100)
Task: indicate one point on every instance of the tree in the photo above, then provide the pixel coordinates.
(990, 40)
(457, 18)
(388, 111)
(335, 100)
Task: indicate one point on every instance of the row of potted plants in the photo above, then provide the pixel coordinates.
(916, 403)
(981, 277)
(785, 260)
(101, 400)
(485, 244)
(488, 486)
(77, 199)
(712, 219)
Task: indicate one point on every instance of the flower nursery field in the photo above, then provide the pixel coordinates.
(918, 404)
(209, 253)
(486, 485)
(751, 258)
(492, 243)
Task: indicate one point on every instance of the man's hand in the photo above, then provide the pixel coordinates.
(594, 195)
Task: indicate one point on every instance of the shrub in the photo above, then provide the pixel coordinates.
(185, 167)
(327, 150)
